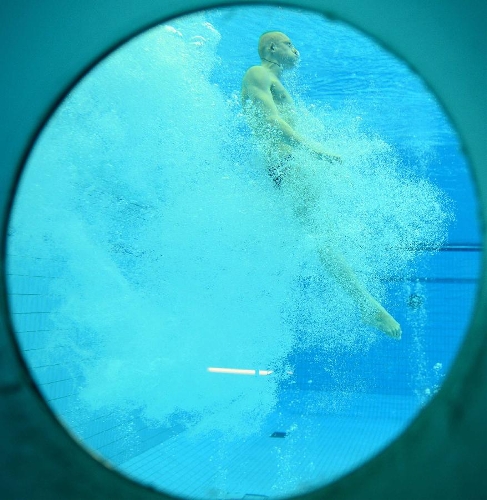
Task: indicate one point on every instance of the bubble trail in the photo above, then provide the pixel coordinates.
(179, 254)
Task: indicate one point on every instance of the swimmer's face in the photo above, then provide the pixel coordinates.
(284, 51)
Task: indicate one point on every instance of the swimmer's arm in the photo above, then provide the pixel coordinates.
(257, 87)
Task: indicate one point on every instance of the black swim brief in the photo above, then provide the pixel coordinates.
(279, 171)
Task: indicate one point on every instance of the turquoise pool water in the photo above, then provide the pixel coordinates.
(148, 249)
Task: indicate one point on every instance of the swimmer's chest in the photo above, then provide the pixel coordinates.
(280, 94)
(282, 99)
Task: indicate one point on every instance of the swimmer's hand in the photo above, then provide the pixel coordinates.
(331, 158)
(319, 152)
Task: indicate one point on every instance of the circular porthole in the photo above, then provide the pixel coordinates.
(190, 301)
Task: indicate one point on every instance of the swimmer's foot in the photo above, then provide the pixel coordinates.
(376, 316)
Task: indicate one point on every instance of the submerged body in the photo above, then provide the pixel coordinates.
(271, 114)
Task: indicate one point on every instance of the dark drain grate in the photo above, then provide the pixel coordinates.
(278, 434)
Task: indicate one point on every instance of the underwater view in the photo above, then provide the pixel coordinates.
(240, 270)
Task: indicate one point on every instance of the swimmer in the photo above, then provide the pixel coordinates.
(270, 112)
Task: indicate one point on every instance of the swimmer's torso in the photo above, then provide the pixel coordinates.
(283, 101)
(265, 101)
(270, 138)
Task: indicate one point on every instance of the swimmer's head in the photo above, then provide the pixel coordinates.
(276, 47)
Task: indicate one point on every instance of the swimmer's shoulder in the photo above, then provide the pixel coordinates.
(257, 75)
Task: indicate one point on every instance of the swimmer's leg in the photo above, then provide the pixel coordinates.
(372, 312)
